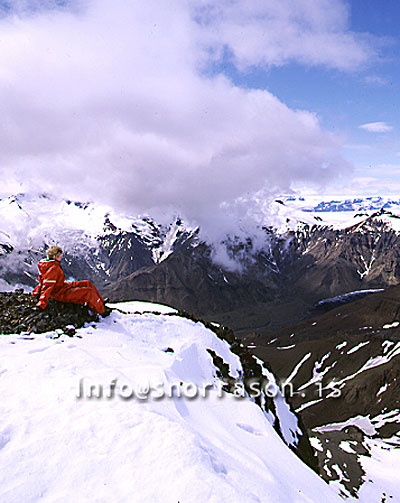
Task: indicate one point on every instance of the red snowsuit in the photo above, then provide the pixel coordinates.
(52, 284)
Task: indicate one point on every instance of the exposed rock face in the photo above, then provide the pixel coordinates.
(330, 262)
(331, 456)
(189, 280)
(121, 254)
(344, 367)
(292, 275)
(18, 315)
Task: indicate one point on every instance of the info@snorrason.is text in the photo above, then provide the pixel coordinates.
(253, 388)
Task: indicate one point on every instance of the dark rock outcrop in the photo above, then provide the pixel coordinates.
(18, 315)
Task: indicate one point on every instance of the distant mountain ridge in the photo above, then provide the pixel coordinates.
(355, 204)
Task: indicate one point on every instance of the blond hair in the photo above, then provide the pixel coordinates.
(53, 252)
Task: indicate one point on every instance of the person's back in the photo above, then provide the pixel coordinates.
(51, 276)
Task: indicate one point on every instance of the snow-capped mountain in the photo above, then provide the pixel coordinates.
(117, 414)
(358, 204)
(316, 204)
(99, 243)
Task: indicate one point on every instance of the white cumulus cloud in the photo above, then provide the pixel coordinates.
(260, 32)
(116, 102)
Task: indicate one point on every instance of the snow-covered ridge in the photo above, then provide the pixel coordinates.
(29, 221)
(84, 404)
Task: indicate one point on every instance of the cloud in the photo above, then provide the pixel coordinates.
(313, 32)
(375, 186)
(376, 80)
(373, 180)
(115, 102)
(376, 127)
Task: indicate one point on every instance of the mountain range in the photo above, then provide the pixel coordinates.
(306, 256)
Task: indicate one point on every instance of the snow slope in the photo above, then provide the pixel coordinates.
(58, 445)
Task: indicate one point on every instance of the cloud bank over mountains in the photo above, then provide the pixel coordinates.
(127, 103)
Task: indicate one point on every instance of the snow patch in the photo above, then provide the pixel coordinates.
(316, 443)
(356, 348)
(136, 306)
(346, 447)
(361, 422)
(392, 325)
(297, 367)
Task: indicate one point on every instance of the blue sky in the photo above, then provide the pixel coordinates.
(345, 100)
(205, 108)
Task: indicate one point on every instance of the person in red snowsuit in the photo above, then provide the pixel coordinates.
(52, 285)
